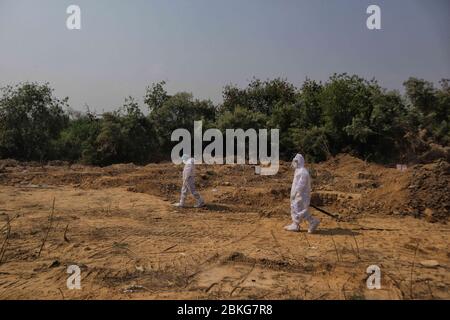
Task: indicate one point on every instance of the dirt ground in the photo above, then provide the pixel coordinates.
(118, 225)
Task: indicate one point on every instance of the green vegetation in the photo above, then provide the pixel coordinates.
(344, 114)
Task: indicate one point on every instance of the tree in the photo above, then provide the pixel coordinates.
(421, 94)
(343, 98)
(309, 105)
(242, 118)
(137, 133)
(156, 96)
(259, 96)
(430, 107)
(31, 119)
(312, 142)
(77, 141)
(442, 126)
(179, 111)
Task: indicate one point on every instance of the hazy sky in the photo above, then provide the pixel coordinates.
(201, 45)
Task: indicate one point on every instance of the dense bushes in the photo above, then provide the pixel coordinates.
(344, 114)
(31, 119)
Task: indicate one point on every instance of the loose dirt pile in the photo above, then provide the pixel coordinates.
(429, 191)
(118, 225)
(347, 185)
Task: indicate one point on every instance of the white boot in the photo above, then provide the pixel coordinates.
(293, 227)
(200, 204)
(313, 225)
(178, 205)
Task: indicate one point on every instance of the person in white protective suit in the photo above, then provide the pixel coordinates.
(189, 183)
(300, 197)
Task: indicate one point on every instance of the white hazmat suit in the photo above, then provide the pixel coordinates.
(300, 197)
(189, 182)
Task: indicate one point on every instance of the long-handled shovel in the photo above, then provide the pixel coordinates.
(327, 213)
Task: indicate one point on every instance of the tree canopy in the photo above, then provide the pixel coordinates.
(346, 113)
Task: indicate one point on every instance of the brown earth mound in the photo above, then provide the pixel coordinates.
(429, 191)
(344, 185)
(118, 225)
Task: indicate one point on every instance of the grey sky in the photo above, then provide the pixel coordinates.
(201, 45)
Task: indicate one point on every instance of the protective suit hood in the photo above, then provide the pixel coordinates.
(185, 158)
(298, 162)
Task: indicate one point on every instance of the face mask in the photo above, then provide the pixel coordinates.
(294, 164)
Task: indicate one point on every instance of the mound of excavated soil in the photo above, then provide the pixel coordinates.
(429, 191)
(118, 225)
(344, 184)
(355, 187)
